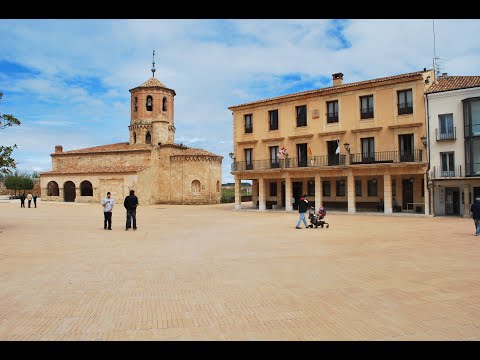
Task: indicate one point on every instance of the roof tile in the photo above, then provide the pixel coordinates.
(448, 83)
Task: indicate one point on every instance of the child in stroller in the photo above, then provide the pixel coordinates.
(316, 218)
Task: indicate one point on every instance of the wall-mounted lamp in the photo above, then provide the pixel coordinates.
(231, 155)
(374, 180)
(347, 147)
(411, 180)
(424, 140)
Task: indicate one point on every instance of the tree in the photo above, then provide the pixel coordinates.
(18, 183)
(6, 160)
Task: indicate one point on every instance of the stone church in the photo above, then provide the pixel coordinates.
(160, 171)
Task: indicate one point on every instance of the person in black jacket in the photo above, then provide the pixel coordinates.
(475, 209)
(131, 203)
(22, 200)
(303, 206)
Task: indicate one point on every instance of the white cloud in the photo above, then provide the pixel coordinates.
(81, 70)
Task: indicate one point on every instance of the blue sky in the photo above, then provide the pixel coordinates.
(68, 80)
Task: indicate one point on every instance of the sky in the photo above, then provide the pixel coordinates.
(68, 80)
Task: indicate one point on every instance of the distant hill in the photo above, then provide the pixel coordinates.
(233, 184)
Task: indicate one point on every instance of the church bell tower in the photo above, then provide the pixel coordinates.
(152, 112)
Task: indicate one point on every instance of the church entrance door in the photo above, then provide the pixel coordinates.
(69, 191)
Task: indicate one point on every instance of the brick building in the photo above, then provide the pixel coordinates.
(160, 171)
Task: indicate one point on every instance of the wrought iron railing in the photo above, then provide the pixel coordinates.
(366, 113)
(386, 157)
(450, 133)
(437, 172)
(405, 108)
(309, 161)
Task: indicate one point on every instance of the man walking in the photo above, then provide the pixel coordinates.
(22, 200)
(475, 209)
(107, 204)
(303, 206)
(131, 203)
(35, 200)
(29, 198)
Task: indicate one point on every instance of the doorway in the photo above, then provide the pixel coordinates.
(407, 192)
(282, 193)
(69, 193)
(452, 201)
(296, 193)
(333, 157)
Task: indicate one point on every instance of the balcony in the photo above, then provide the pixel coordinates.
(332, 117)
(405, 108)
(290, 163)
(366, 113)
(438, 173)
(386, 157)
(248, 129)
(449, 133)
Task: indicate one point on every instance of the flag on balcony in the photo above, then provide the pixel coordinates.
(283, 151)
(338, 148)
(309, 151)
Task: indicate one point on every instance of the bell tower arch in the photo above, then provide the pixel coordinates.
(152, 112)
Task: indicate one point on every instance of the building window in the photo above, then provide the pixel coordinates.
(445, 124)
(405, 102)
(394, 187)
(326, 188)
(368, 150)
(448, 164)
(86, 188)
(340, 187)
(248, 123)
(134, 137)
(302, 155)
(52, 189)
(301, 112)
(358, 187)
(332, 111)
(366, 107)
(273, 119)
(248, 159)
(195, 186)
(372, 187)
(149, 103)
(218, 186)
(311, 188)
(148, 138)
(274, 161)
(273, 189)
(135, 104)
(164, 104)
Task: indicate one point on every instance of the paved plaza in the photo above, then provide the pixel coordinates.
(213, 273)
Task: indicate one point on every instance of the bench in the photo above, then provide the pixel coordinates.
(268, 204)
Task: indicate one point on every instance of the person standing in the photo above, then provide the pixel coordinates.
(35, 201)
(22, 200)
(303, 206)
(107, 204)
(131, 203)
(475, 209)
(29, 198)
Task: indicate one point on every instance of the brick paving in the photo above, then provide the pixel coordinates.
(211, 273)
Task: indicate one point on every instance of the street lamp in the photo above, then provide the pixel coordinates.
(231, 155)
(347, 147)
(424, 140)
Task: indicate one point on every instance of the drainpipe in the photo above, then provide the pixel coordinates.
(428, 155)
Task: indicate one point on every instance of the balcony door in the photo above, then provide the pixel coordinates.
(448, 164)
(445, 123)
(333, 157)
(274, 162)
(248, 159)
(368, 150)
(302, 155)
(405, 143)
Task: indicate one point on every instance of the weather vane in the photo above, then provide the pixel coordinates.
(153, 64)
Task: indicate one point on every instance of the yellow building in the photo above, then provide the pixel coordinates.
(357, 146)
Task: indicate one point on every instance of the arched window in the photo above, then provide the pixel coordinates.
(149, 103)
(148, 138)
(52, 189)
(86, 188)
(134, 137)
(164, 104)
(135, 104)
(218, 186)
(195, 186)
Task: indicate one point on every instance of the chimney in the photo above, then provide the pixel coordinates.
(337, 79)
(445, 75)
(58, 149)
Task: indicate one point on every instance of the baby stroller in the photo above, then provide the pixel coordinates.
(316, 218)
